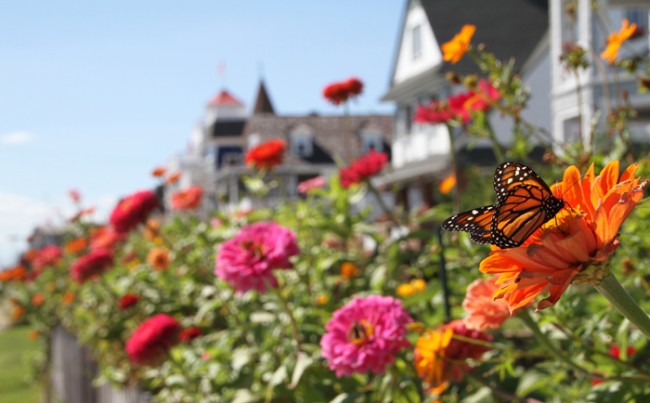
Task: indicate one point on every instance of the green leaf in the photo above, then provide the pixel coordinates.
(302, 363)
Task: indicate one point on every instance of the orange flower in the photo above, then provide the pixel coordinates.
(34, 334)
(440, 357)
(158, 172)
(15, 273)
(187, 199)
(38, 299)
(158, 258)
(616, 39)
(448, 184)
(68, 298)
(322, 299)
(411, 288)
(151, 229)
(454, 50)
(173, 178)
(349, 270)
(484, 312)
(75, 246)
(17, 312)
(575, 246)
(266, 155)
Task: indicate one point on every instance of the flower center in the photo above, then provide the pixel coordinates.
(360, 332)
(254, 248)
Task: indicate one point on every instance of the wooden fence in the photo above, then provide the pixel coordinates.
(72, 372)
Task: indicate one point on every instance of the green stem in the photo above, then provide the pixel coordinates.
(381, 202)
(544, 340)
(611, 289)
(454, 166)
(295, 332)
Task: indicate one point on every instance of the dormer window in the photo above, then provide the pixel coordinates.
(371, 140)
(302, 144)
(416, 42)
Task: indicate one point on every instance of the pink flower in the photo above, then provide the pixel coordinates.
(75, 196)
(133, 210)
(247, 260)
(151, 341)
(484, 312)
(105, 238)
(91, 264)
(365, 335)
(314, 183)
(363, 168)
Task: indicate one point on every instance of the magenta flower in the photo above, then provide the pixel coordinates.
(314, 183)
(151, 341)
(247, 260)
(365, 335)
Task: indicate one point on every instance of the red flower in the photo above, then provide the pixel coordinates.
(105, 238)
(47, 256)
(615, 351)
(459, 106)
(133, 210)
(74, 195)
(188, 199)
(266, 155)
(151, 341)
(91, 265)
(158, 172)
(362, 169)
(190, 333)
(128, 300)
(341, 91)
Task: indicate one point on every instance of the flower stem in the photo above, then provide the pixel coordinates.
(543, 339)
(295, 332)
(611, 289)
(382, 203)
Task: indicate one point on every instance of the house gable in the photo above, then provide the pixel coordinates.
(418, 49)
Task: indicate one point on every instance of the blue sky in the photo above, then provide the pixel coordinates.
(93, 96)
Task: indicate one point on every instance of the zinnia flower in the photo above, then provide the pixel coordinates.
(158, 258)
(365, 335)
(448, 184)
(573, 247)
(38, 299)
(173, 178)
(247, 260)
(75, 196)
(190, 333)
(16, 273)
(616, 39)
(413, 287)
(315, 183)
(68, 298)
(615, 351)
(483, 311)
(128, 300)
(91, 264)
(266, 155)
(440, 358)
(349, 270)
(339, 92)
(363, 168)
(47, 256)
(459, 107)
(455, 49)
(151, 341)
(133, 210)
(158, 172)
(105, 238)
(187, 199)
(76, 245)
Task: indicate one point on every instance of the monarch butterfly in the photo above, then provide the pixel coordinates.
(524, 203)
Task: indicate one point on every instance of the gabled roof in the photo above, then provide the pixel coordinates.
(224, 98)
(263, 102)
(509, 28)
(332, 136)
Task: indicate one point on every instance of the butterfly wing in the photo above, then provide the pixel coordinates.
(523, 210)
(510, 175)
(476, 222)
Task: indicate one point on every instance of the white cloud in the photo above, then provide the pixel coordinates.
(15, 138)
(18, 217)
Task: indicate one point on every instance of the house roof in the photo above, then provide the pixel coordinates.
(224, 98)
(333, 136)
(527, 23)
(512, 28)
(263, 102)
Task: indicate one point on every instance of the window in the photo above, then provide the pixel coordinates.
(371, 140)
(302, 144)
(416, 42)
(571, 129)
(638, 16)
